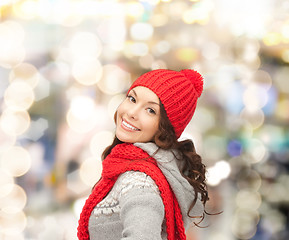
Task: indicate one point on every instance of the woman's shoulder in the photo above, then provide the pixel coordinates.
(134, 180)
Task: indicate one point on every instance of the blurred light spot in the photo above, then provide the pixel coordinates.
(244, 223)
(275, 220)
(247, 130)
(134, 9)
(277, 192)
(114, 80)
(42, 89)
(6, 141)
(78, 205)
(175, 9)
(90, 171)
(255, 97)
(221, 170)
(211, 51)
(187, 54)
(271, 39)
(15, 57)
(16, 160)
(99, 142)
(256, 150)
(234, 148)
(87, 71)
(15, 201)
(272, 136)
(263, 79)
(159, 64)
(72, 16)
(285, 30)
(25, 72)
(250, 50)
(284, 181)
(231, 96)
(162, 47)
(19, 95)
(196, 15)
(146, 61)
(217, 146)
(270, 107)
(6, 182)
(249, 179)
(158, 20)
(113, 104)
(26, 9)
(204, 119)
(6, 2)
(282, 109)
(12, 33)
(113, 32)
(285, 55)
(75, 184)
(11, 50)
(281, 79)
(37, 129)
(82, 107)
(14, 122)
(14, 236)
(12, 223)
(139, 49)
(152, 2)
(85, 44)
(141, 31)
(255, 118)
(82, 115)
(57, 72)
(248, 200)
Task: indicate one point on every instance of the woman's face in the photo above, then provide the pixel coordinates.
(138, 116)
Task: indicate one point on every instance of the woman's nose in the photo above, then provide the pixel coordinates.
(133, 112)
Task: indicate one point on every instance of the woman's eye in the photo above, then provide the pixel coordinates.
(150, 110)
(131, 98)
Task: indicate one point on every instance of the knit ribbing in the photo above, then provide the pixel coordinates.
(127, 157)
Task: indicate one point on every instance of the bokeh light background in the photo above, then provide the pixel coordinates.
(65, 65)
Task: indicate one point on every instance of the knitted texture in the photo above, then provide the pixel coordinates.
(178, 92)
(126, 157)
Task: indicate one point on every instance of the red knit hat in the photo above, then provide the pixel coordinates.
(178, 92)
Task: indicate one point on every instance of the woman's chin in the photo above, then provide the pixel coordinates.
(125, 138)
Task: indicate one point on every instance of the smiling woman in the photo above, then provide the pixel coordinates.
(138, 116)
(152, 185)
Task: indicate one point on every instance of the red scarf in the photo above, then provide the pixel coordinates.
(126, 157)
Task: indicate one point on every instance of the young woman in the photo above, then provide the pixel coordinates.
(152, 185)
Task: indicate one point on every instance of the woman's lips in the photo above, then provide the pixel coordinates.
(128, 126)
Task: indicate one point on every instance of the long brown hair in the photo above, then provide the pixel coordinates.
(192, 167)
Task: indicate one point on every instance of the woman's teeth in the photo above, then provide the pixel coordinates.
(129, 126)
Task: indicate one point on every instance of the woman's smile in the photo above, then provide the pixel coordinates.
(127, 126)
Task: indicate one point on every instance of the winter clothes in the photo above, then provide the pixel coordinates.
(142, 195)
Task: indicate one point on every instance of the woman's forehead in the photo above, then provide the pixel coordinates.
(145, 94)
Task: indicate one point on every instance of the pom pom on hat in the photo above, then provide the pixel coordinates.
(178, 92)
(196, 79)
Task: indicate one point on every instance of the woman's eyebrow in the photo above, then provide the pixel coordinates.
(134, 92)
(148, 101)
(154, 103)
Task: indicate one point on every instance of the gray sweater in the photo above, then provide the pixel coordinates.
(133, 209)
